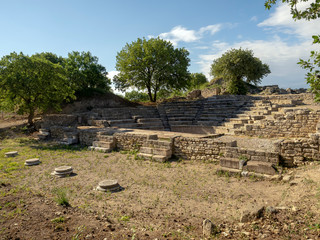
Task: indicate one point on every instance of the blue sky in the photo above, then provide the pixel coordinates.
(207, 28)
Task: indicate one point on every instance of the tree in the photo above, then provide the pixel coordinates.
(196, 80)
(136, 96)
(32, 83)
(237, 66)
(313, 64)
(152, 65)
(85, 73)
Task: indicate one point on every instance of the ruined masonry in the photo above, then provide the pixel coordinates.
(245, 134)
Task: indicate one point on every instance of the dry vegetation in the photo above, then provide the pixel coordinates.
(158, 200)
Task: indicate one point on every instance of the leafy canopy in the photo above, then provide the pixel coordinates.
(237, 66)
(312, 65)
(152, 65)
(32, 83)
(196, 80)
(85, 73)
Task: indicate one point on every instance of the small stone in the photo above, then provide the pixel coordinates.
(287, 178)
(208, 228)
(294, 209)
(62, 171)
(252, 214)
(271, 210)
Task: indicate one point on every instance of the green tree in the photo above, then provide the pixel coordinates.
(136, 96)
(85, 73)
(312, 65)
(237, 66)
(196, 80)
(152, 65)
(32, 83)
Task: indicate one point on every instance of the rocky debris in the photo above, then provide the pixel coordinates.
(208, 228)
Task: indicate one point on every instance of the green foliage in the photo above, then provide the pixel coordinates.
(197, 80)
(32, 83)
(61, 197)
(85, 73)
(136, 96)
(311, 12)
(237, 66)
(60, 219)
(313, 64)
(152, 65)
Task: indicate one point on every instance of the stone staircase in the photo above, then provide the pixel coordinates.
(248, 161)
(104, 143)
(156, 150)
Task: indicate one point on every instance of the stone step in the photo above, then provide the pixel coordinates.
(152, 157)
(179, 123)
(230, 163)
(237, 120)
(184, 118)
(100, 149)
(158, 143)
(208, 123)
(127, 125)
(120, 121)
(261, 167)
(233, 125)
(156, 151)
(103, 144)
(148, 120)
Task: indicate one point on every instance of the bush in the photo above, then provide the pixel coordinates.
(136, 96)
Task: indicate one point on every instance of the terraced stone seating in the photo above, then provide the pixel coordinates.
(142, 117)
(156, 150)
(250, 161)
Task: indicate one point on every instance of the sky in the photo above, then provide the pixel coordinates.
(206, 28)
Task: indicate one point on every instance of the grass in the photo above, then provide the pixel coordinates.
(61, 197)
(60, 219)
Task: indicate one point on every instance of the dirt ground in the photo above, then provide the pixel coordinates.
(158, 200)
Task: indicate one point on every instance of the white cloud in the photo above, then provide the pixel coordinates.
(210, 28)
(182, 34)
(254, 19)
(281, 20)
(281, 53)
(111, 74)
(178, 34)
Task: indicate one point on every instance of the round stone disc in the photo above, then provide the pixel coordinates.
(63, 170)
(33, 161)
(11, 154)
(108, 185)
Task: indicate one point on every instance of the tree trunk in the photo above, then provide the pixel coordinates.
(150, 94)
(30, 118)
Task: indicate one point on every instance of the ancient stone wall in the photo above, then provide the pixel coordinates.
(59, 120)
(128, 141)
(292, 123)
(197, 148)
(296, 151)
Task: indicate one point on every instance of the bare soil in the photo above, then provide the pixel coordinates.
(158, 200)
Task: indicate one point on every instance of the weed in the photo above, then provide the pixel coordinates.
(79, 232)
(60, 219)
(124, 218)
(61, 197)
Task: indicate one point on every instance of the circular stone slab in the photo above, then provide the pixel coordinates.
(11, 154)
(33, 161)
(108, 185)
(63, 169)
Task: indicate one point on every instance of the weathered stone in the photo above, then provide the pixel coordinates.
(11, 154)
(252, 214)
(32, 162)
(108, 185)
(208, 228)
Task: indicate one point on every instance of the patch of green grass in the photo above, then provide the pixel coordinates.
(61, 197)
(124, 218)
(60, 219)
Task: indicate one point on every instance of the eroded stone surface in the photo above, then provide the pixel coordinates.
(63, 171)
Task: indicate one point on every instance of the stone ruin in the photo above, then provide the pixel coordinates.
(245, 134)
